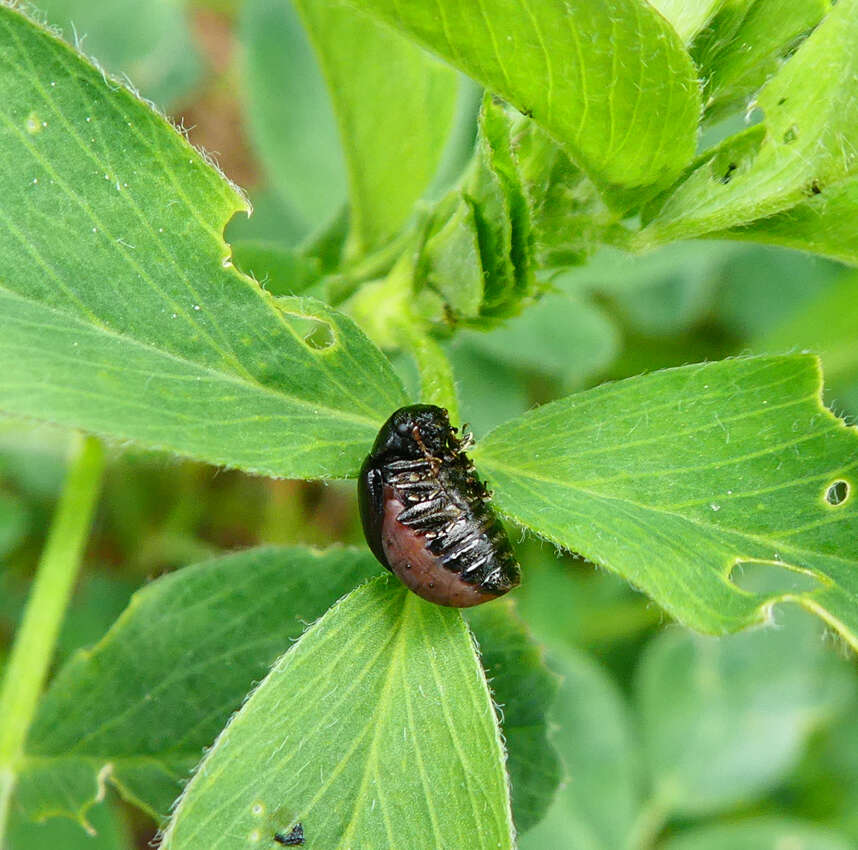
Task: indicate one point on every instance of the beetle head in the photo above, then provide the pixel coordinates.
(414, 431)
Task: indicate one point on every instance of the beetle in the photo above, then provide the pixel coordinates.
(426, 515)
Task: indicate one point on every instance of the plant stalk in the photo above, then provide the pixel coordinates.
(437, 382)
(650, 821)
(383, 310)
(33, 648)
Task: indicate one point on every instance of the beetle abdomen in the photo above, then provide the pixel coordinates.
(426, 515)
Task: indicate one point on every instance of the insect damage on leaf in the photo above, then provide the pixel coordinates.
(837, 492)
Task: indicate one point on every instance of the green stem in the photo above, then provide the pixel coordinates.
(339, 286)
(437, 383)
(33, 648)
(650, 821)
(7, 786)
(383, 309)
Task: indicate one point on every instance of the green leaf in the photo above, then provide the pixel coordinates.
(274, 220)
(289, 113)
(375, 730)
(805, 146)
(524, 689)
(279, 270)
(99, 598)
(765, 833)
(119, 307)
(560, 335)
(825, 224)
(110, 833)
(501, 212)
(615, 273)
(663, 292)
(825, 786)
(477, 253)
(490, 392)
(597, 805)
(725, 719)
(688, 18)
(569, 219)
(675, 478)
(451, 260)
(33, 456)
(139, 707)
(14, 522)
(762, 287)
(150, 43)
(746, 43)
(599, 608)
(609, 81)
(828, 325)
(394, 105)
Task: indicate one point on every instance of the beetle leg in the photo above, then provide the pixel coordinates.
(434, 462)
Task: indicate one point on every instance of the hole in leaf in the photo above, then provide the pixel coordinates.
(316, 334)
(837, 492)
(754, 114)
(765, 577)
(737, 155)
(791, 135)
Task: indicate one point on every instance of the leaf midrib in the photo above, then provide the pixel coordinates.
(710, 528)
(506, 822)
(383, 707)
(60, 50)
(226, 377)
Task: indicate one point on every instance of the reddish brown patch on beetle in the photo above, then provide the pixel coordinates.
(418, 568)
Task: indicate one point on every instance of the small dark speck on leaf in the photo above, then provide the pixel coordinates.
(728, 174)
(294, 838)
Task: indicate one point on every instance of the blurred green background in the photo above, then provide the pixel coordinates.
(679, 741)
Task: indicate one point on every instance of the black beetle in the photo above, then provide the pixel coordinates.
(427, 517)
